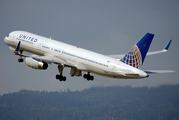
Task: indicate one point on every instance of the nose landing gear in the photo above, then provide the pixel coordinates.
(20, 60)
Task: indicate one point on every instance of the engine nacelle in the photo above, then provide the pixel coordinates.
(35, 64)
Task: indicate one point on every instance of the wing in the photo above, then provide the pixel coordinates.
(161, 51)
(117, 56)
(49, 58)
(149, 53)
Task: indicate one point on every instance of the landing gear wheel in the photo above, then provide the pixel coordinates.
(20, 60)
(64, 78)
(57, 76)
(88, 77)
(85, 76)
(60, 77)
(91, 78)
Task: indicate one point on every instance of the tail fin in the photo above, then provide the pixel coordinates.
(136, 56)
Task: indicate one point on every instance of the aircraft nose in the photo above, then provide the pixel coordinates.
(5, 40)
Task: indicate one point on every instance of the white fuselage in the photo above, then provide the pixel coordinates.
(91, 61)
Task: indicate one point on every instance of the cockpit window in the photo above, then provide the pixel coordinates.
(7, 35)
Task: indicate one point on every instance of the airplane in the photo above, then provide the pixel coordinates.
(46, 51)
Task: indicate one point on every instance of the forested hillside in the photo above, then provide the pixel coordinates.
(99, 103)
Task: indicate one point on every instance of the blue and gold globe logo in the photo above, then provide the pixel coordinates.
(133, 57)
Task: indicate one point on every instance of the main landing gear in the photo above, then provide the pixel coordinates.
(88, 77)
(60, 77)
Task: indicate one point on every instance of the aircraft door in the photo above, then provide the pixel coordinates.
(39, 46)
(112, 66)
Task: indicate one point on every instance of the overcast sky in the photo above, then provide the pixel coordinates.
(107, 27)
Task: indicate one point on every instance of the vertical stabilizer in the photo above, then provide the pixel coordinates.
(136, 56)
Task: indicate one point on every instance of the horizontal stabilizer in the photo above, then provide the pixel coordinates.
(158, 71)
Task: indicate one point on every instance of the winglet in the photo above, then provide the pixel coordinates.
(168, 45)
(17, 48)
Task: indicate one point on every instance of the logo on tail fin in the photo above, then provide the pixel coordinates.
(135, 57)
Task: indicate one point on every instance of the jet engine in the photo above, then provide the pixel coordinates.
(36, 64)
